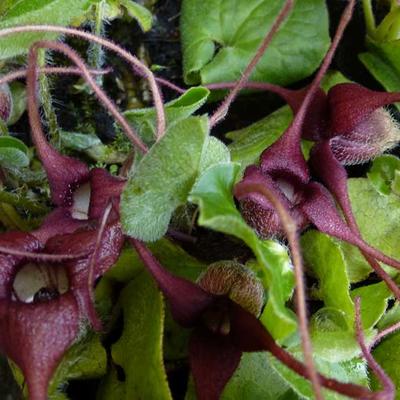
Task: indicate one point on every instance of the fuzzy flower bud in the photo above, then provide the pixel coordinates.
(371, 137)
(237, 282)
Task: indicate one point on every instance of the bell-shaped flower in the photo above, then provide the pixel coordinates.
(222, 310)
(46, 281)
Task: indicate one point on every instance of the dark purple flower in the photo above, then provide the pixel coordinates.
(284, 171)
(35, 332)
(224, 329)
(81, 238)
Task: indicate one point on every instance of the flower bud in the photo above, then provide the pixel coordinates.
(371, 137)
(237, 282)
(258, 212)
(5, 102)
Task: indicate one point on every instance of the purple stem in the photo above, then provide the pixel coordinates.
(107, 102)
(137, 65)
(290, 228)
(222, 110)
(389, 389)
(21, 73)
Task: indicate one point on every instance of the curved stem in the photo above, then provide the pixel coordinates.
(385, 332)
(21, 73)
(290, 228)
(222, 110)
(137, 66)
(107, 102)
(41, 256)
(388, 386)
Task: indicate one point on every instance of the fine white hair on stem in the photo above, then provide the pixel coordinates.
(388, 387)
(107, 102)
(21, 73)
(222, 110)
(290, 228)
(136, 64)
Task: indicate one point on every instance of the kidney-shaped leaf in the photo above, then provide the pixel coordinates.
(220, 37)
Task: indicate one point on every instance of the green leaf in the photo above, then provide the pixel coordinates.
(144, 119)
(255, 379)
(142, 15)
(79, 141)
(215, 152)
(139, 349)
(86, 359)
(170, 255)
(163, 179)
(250, 142)
(377, 216)
(220, 37)
(324, 258)
(354, 371)
(24, 12)
(13, 153)
(374, 301)
(213, 194)
(18, 93)
(383, 173)
(387, 354)
(382, 61)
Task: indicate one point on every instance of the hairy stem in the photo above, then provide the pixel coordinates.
(95, 52)
(388, 386)
(107, 102)
(137, 65)
(21, 73)
(290, 228)
(222, 110)
(47, 103)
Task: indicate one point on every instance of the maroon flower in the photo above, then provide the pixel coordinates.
(223, 329)
(35, 332)
(284, 171)
(81, 238)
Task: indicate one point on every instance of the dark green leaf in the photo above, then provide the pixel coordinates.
(220, 37)
(383, 173)
(86, 359)
(382, 61)
(139, 349)
(78, 141)
(387, 354)
(13, 153)
(170, 255)
(18, 93)
(142, 15)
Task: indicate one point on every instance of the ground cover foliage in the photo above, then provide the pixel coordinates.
(199, 200)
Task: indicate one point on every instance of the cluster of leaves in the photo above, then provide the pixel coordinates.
(141, 350)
